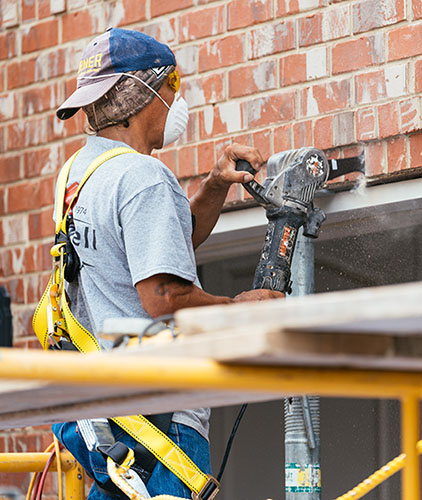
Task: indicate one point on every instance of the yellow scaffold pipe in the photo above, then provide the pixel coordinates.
(378, 477)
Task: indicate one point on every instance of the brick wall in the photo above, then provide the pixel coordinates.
(342, 75)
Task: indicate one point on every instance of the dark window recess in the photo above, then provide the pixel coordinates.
(6, 329)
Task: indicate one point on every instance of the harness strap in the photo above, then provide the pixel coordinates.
(54, 320)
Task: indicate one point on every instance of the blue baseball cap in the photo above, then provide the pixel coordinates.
(115, 51)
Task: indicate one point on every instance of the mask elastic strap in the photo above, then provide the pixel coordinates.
(132, 76)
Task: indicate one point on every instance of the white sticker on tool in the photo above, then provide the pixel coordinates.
(304, 478)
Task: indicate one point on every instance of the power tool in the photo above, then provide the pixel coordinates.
(287, 195)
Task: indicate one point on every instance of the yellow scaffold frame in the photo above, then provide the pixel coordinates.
(35, 462)
(192, 374)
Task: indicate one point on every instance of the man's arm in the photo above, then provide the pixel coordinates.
(207, 202)
(165, 294)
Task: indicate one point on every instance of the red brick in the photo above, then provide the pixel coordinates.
(189, 135)
(225, 51)
(8, 45)
(28, 10)
(397, 154)
(366, 124)
(187, 162)
(16, 290)
(58, 129)
(71, 146)
(220, 145)
(325, 97)
(22, 326)
(244, 13)
(204, 90)
(271, 109)
(371, 14)
(40, 36)
(78, 24)
(262, 141)
(302, 134)
(417, 9)
(388, 120)
(415, 142)
(169, 158)
(225, 118)
(323, 26)
(44, 9)
(410, 115)
(1, 242)
(159, 7)
(20, 73)
(356, 54)
(42, 161)
(23, 196)
(164, 30)
(252, 79)
(375, 161)
(404, 42)
(283, 138)
(344, 128)
(323, 133)
(134, 12)
(26, 133)
(206, 157)
(271, 39)
(41, 224)
(293, 69)
(36, 100)
(202, 23)
(418, 76)
(9, 169)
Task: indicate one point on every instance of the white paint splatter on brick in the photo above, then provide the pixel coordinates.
(261, 42)
(7, 106)
(75, 4)
(231, 116)
(335, 23)
(52, 163)
(194, 94)
(377, 47)
(17, 260)
(73, 56)
(209, 119)
(264, 75)
(14, 229)
(308, 4)
(187, 59)
(116, 14)
(255, 109)
(57, 6)
(410, 114)
(98, 18)
(311, 103)
(41, 66)
(9, 13)
(395, 80)
(316, 63)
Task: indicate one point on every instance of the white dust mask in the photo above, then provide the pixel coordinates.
(177, 120)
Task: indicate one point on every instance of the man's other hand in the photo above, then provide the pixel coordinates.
(256, 295)
(224, 173)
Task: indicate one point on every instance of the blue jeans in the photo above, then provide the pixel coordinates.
(162, 480)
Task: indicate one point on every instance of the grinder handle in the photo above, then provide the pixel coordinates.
(243, 165)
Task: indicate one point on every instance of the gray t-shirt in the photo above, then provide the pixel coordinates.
(132, 221)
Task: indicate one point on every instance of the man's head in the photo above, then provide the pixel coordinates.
(120, 73)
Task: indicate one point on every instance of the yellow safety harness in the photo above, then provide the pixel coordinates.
(53, 320)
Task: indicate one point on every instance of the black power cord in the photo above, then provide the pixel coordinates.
(230, 441)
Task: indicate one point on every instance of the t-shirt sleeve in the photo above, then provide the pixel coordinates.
(156, 228)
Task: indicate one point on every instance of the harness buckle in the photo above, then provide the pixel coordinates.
(209, 491)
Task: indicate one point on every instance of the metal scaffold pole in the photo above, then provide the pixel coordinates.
(302, 413)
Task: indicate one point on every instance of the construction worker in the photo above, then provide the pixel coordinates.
(134, 228)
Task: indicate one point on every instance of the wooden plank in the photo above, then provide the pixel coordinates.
(46, 404)
(394, 309)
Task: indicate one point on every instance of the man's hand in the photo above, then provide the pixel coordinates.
(224, 173)
(257, 295)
